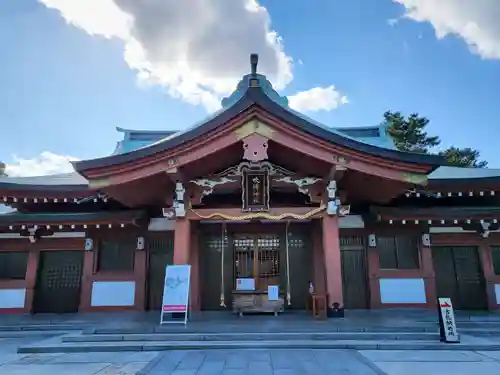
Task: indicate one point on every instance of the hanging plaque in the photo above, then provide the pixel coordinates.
(255, 190)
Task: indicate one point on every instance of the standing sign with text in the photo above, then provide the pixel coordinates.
(447, 326)
(175, 293)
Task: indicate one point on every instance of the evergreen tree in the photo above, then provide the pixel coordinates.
(409, 135)
(463, 157)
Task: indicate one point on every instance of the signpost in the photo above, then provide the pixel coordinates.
(175, 293)
(447, 326)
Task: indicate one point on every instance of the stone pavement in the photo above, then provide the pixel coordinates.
(324, 362)
(123, 363)
(247, 362)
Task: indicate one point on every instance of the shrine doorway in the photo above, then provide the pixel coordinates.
(271, 254)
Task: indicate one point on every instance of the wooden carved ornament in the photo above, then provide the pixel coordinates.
(255, 148)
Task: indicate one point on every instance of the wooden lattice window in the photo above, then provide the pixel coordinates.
(398, 252)
(13, 265)
(116, 256)
(495, 259)
(258, 257)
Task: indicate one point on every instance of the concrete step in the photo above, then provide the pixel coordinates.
(43, 327)
(283, 336)
(239, 329)
(77, 347)
(35, 334)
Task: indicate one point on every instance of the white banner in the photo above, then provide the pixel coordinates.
(447, 324)
(176, 292)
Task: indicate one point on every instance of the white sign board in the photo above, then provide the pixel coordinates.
(245, 284)
(448, 328)
(176, 292)
(273, 293)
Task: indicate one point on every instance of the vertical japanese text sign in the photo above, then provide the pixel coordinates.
(176, 292)
(447, 326)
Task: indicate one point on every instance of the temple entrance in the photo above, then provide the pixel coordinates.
(257, 256)
(354, 273)
(459, 276)
(160, 250)
(58, 283)
(259, 252)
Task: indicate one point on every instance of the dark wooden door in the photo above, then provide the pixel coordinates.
(354, 273)
(300, 263)
(212, 245)
(59, 281)
(160, 250)
(459, 276)
(354, 280)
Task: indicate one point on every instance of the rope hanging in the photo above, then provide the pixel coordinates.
(222, 286)
(288, 294)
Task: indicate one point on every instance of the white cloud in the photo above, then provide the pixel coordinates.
(44, 164)
(316, 99)
(475, 21)
(197, 49)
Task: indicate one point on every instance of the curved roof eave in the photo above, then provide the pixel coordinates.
(57, 182)
(460, 175)
(255, 95)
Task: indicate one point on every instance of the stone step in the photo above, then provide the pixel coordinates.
(42, 327)
(74, 347)
(283, 336)
(26, 334)
(239, 329)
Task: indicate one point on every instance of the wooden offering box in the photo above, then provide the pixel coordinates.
(252, 301)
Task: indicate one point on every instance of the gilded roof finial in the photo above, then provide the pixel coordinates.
(254, 60)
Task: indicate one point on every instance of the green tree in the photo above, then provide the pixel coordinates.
(463, 157)
(409, 133)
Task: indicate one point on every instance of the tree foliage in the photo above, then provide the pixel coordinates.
(463, 157)
(409, 135)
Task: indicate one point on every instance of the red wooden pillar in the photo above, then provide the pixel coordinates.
(319, 277)
(489, 274)
(87, 273)
(182, 241)
(333, 268)
(31, 273)
(429, 276)
(140, 279)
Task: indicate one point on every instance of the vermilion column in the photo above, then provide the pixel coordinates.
(182, 241)
(333, 268)
(31, 274)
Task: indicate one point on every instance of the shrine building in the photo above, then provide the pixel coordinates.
(258, 193)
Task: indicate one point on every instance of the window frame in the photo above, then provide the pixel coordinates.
(397, 249)
(126, 245)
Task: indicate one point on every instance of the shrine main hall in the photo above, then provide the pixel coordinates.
(259, 195)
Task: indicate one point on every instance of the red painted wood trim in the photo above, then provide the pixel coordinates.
(214, 142)
(12, 311)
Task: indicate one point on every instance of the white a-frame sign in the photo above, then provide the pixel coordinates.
(175, 293)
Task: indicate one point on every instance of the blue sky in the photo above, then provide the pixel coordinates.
(66, 83)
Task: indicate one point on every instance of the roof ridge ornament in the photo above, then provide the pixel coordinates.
(254, 61)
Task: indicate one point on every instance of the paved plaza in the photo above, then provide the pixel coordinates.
(243, 362)
(247, 362)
